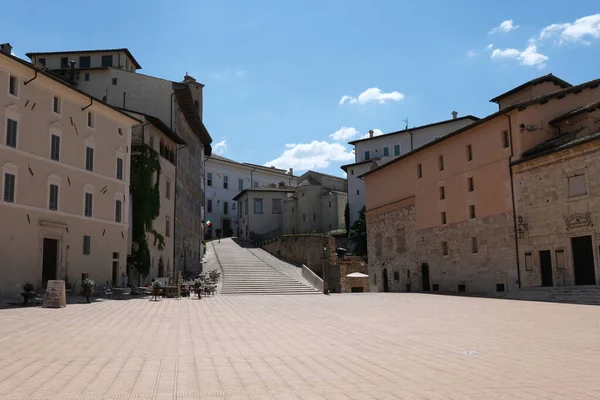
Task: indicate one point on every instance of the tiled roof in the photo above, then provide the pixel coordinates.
(188, 107)
(594, 105)
(562, 142)
(263, 189)
(533, 82)
(48, 53)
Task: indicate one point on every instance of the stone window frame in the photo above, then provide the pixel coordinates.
(442, 190)
(445, 249)
(576, 172)
(563, 251)
(12, 169)
(531, 266)
(56, 105)
(17, 86)
(54, 179)
(11, 112)
(441, 162)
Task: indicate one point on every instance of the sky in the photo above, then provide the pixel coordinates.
(290, 82)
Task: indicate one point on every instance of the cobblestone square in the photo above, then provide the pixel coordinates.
(362, 346)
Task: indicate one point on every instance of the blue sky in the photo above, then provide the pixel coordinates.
(276, 70)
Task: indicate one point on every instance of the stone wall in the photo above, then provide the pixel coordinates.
(549, 218)
(349, 265)
(398, 249)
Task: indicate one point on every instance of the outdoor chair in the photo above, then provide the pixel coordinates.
(108, 293)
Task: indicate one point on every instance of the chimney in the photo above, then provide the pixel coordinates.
(188, 78)
(6, 48)
(454, 114)
(371, 132)
(291, 171)
(71, 72)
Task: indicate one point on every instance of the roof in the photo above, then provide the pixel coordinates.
(346, 166)
(560, 143)
(48, 53)
(304, 175)
(188, 107)
(249, 165)
(518, 106)
(594, 105)
(416, 128)
(533, 82)
(63, 82)
(264, 189)
(157, 122)
(270, 168)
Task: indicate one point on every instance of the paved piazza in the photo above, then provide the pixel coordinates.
(361, 346)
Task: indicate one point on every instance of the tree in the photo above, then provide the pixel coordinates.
(358, 233)
(347, 217)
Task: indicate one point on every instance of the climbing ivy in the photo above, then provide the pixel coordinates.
(145, 198)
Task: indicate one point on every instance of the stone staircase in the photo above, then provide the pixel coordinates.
(246, 273)
(566, 294)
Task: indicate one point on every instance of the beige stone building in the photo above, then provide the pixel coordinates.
(260, 212)
(557, 187)
(317, 206)
(441, 218)
(64, 160)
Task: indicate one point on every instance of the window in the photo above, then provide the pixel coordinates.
(240, 184)
(53, 197)
(419, 171)
(505, 139)
(225, 208)
(84, 61)
(330, 204)
(90, 119)
(120, 131)
(209, 205)
(303, 217)
(444, 248)
(442, 193)
(357, 192)
(167, 227)
(462, 288)
(87, 77)
(258, 209)
(367, 155)
(577, 186)
(528, 261)
(441, 162)
(151, 142)
(470, 186)
(64, 62)
(386, 151)
(11, 132)
(13, 85)
(225, 181)
(209, 179)
(560, 259)
(471, 211)
(500, 287)
(9, 187)
(314, 218)
(107, 61)
(168, 189)
(89, 158)
(87, 244)
(396, 150)
(276, 206)
(469, 152)
(119, 168)
(118, 210)
(42, 61)
(400, 241)
(435, 287)
(474, 248)
(56, 104)
(89, 200)
(396, 275)
(443, 215)
(255, 184)
(114, 81)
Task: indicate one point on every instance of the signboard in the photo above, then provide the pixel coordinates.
(56, 296)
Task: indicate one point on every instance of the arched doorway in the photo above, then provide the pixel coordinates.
(386, 287)
(425, 276)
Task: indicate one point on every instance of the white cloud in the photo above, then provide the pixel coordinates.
(529, 57)
(344, 133)
(228, 74)
(472, 53)
(305, 156)
(373, 94)
(505, 26)
(579, 31)
(490, 46)
(220, 148)
(376, 132)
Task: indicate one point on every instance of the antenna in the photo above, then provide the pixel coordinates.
(406, 122)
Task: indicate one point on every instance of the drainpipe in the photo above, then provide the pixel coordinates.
(512, 193)
(411, 140)
(89, 105)
(35, 76)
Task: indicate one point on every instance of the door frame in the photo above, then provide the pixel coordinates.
(552, 267)
(595, 254)
(53, 230)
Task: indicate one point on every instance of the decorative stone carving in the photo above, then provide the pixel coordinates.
(578, 220)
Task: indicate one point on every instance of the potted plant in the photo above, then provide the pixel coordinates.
(156, 288)
(198, 287)
(28, 292)
(87, 288)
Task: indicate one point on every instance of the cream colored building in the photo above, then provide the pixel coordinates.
(64, 160)
(260, 212)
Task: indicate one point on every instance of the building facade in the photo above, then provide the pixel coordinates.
(260, 212)
(177, 104)
(442, 218)
(225, 179)
(317, 206)
(373, 151)
(65, 179)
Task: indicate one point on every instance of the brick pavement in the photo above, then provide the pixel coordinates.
(354, 346)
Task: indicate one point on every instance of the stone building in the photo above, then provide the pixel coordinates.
(111, 74)
(317, 206)
(260, 212)
(225, 179)
(378, 150)
(441, 218)
(64, 165)
(557, 188)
